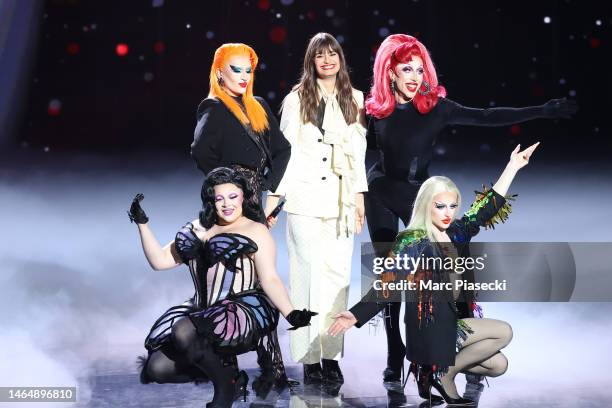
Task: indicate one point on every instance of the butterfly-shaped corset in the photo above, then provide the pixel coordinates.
(219, 267)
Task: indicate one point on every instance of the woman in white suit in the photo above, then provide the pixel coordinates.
(323, 119)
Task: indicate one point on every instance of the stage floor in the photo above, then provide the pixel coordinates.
(125, 390)
(79, 297)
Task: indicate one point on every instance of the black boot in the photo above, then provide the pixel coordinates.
(332, 372)
(312, 373)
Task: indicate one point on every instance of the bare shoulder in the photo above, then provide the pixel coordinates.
(258, 233)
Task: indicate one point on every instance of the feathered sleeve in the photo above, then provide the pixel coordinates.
(488, 209)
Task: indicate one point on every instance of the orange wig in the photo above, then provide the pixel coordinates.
(255, 113)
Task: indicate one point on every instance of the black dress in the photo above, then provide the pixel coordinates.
(433, 334)
(220, 140)
(229, 306)
(405, 141)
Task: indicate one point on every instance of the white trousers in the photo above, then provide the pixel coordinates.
(319, 275)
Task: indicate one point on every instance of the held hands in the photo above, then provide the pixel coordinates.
(299, 318)
(519, 159)
(344, 321)
(136, 213)
(560, 108)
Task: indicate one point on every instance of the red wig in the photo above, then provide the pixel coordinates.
(399, 49)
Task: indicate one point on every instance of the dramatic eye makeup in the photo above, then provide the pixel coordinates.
(440, 206)
(238, 70)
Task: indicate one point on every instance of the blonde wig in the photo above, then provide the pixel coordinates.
(421, 212)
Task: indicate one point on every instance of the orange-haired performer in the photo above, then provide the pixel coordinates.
(236, 129)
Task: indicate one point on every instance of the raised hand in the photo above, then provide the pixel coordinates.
(519, 159)
(300, 318)
(136, 213)
(560, 108)
(344, 321)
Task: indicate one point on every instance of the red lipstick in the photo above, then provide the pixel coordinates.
(243, 84)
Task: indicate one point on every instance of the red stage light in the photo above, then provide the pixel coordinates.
(278, 34)
(263, 4)
(122, 49)
(73, 48)
(515, 130)
(159, 47)
(54, 108)
(594, 42)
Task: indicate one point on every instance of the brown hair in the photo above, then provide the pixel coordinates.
(307, 87)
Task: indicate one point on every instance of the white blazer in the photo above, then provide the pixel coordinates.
(309, 184)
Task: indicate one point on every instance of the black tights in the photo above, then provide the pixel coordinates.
(187, 357)
(383, 226)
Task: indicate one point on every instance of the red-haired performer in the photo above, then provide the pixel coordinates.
(237, 129)
(323, 118)
(409, 109)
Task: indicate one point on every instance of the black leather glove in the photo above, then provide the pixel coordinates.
(300, 318)
(560, 108)
(136, 213)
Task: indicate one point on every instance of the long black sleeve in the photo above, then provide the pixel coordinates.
(207, 137)
(460, 115)
(280, 150)
(367, 307)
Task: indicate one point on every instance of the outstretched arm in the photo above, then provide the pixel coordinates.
(493, 206)
(518, 160)
(553, 109)
(159, 258)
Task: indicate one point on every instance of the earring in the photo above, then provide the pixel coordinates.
(220, 80)
(392, 85)
(427, 88)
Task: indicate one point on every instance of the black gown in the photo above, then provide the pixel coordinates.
(433, 335)
(220, 140)
(405, 142)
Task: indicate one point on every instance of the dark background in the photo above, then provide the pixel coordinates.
(487, 53)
